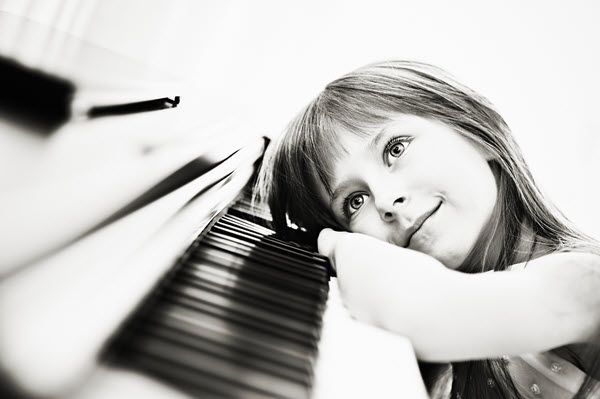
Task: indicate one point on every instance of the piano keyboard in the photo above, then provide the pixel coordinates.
(239, 316)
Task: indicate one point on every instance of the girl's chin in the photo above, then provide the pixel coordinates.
(450, 260)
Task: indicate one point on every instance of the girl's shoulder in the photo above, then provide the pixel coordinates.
(542, 375)
(546, 375)
(584, 257)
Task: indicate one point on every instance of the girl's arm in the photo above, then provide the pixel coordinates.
(452, 316)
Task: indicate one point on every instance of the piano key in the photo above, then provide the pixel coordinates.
(190, 380)
(242, 291)
(230, 335)
(276, 244)
(252, 266)
(243, 356)
(190, 321)
(277, 310)
(186, 357)
(267, 242)
(234, 277)
(265, 258)
(245, 286)
(284, 324)
(244, 319)
(246, 222)
(251, 209)
(235, 220)
(270, 253)
(175, 357)
(192, 327)
(293, 236)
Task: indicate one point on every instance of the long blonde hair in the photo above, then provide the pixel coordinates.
(301, 162)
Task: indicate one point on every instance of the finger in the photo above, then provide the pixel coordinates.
(326, 242)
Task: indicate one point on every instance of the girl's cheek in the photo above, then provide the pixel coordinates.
(369, 223)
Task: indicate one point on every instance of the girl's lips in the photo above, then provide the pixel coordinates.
(412, 230)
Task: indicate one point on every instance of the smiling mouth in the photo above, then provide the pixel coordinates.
(419, 222)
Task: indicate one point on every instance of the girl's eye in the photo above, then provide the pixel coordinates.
(394, 149)
(353, 203)
(397, 150)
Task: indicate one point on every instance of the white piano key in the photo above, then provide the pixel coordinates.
(357, 360)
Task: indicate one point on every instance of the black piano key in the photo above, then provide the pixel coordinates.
(265, 258)
(284, 324)
(252, 269)
(251, 298)
(293, 236)
(252, 207)
(248, 224)
(189, 320)
(265, 253)
(241, 283)
(178, 367)
(235, 353)
(239, 317)
(244, 292)
(277, 350)
(251, 216)
(216, 248)
(186, 357)
(229, 335)
(190, 381)
(279, 310)
(307, 267)
(265, 242)
(270, 234)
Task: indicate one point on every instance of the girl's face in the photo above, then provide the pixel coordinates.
(415, 183)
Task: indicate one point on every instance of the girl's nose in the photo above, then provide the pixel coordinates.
(389, 210)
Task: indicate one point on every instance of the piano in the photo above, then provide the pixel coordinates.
(149, 273)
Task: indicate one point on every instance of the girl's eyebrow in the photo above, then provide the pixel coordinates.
(374, 142)
(339, 189)
(372, 145)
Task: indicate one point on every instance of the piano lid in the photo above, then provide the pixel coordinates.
(54, 188)
(99, 76)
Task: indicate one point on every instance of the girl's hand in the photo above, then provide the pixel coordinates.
(373, 275)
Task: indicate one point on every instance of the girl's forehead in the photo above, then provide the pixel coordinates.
(341, 137)
(344, 143)
(337, 143)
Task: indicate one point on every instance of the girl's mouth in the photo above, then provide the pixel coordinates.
(412, 230)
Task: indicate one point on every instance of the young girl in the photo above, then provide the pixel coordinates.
(437, 230)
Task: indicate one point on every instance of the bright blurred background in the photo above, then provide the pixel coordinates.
(537, 61)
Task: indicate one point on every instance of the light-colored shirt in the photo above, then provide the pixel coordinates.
(536, 376)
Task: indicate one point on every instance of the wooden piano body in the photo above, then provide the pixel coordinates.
(79, 260)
